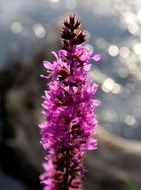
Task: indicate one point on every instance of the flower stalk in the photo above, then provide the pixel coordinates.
(68, 107)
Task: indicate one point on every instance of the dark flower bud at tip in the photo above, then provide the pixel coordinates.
(66, 34)
(71, 33)
(72, 25)
(66, 24)
(72, 19)
(80, 38)
(77, 24)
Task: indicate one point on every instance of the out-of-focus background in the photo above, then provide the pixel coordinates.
(29, 31)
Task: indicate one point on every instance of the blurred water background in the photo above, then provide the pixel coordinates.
(113, 29)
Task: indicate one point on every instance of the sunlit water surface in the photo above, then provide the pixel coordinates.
(114, 30)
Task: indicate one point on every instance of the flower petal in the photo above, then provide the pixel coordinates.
(47, 65)
(97, 57)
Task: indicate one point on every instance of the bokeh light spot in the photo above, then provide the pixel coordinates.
(130, 120)
(113, 50)
(137, 49)
(133, 28)
(124, 52)
(110, 86)
(116, 89)
(16, 27)
(39, 30)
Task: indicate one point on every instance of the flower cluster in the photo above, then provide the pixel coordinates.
(68, 108)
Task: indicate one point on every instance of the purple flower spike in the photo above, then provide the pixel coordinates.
(68, 107)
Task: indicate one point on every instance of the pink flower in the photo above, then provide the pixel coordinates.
(68, 107)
